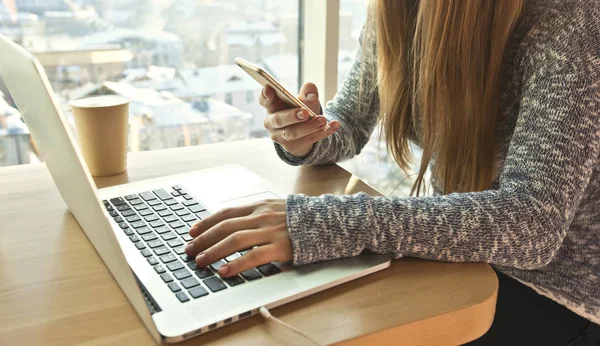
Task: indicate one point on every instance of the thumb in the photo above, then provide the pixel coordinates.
(309, 94)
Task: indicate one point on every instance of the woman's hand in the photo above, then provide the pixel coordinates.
(291, 127)
(262, 224)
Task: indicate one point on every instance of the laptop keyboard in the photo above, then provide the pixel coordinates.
(157, 222)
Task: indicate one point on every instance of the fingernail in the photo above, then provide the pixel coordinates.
(301, 115)
(200, 258)
(321, 122)
(312, 97)
(224, 270)
(264, 94)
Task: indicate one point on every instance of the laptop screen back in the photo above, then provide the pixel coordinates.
(29, 87)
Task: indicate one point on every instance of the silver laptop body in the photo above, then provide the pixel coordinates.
(167, 318)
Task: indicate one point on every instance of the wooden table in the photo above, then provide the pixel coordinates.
(54, 289)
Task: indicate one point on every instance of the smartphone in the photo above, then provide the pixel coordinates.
(264, 79)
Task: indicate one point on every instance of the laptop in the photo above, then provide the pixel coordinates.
(139, 229)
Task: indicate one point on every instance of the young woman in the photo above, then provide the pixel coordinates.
(504, 98)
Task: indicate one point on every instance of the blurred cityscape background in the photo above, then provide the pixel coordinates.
(174, 60)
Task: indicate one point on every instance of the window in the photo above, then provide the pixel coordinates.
(174, 60)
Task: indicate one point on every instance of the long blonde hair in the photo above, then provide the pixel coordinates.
(440, 66)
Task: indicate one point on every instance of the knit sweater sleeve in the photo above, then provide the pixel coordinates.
(523, 222)
(355, 106)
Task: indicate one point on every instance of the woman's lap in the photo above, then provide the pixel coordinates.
(524, 317)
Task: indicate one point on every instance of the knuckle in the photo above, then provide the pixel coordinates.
(237, 239)
(277, 120)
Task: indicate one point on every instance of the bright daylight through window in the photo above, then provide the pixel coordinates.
(172, 58)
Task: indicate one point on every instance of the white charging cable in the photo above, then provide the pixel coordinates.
(267, 315)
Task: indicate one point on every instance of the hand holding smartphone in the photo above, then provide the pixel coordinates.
(292, 123)
(264, 79)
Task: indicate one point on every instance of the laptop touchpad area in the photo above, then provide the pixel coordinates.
(248, 199)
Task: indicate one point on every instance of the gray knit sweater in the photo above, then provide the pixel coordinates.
(540, 221)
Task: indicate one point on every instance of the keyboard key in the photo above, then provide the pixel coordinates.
(118, 201)
(233, 257)
(189, 203)
(176, 207)
(141, 207)
(146, 212)
(113, 213)
(168, 236)
(146, 253)
(175, 194)
(182, 212)
(174, 287)
(189, 283)
(159, 207)
(177, 188)
(123, 207)
(182, 297)
(187, 237)
(159, 251)
(170, 218)
(132, 218)
(176, 224)
(128, 232)
(269, 269)
(119, 219)
(147, 196)
(162, 194)
(218, 264)
(134, 238)
(164, 213)
(154, 202)
(198, 292)
(159, 269)
(140, 245)
(162, 229)
(203, 214)
(155, 243)
(105, 203)
(203, 273)
(138, 224)
(109, 208)
(189, 218)
(128, 212)
(123, 225)
(174, 266)
(153, 261)
(251, 275)
(131, 197)
(168, 258)
(234, 281)
(180, 250)
(166, 277)
(186, 196)
(197, 208)
(157, 223)
(182, 274)
(136, 201)
(170, 202)
(175, 242)
(143, 230)
(190, 263)
(214, 284)
(182, 230)
(185, 258)
(149, 237)
(151, 217)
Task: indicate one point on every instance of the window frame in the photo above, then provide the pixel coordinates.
(318, 45)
